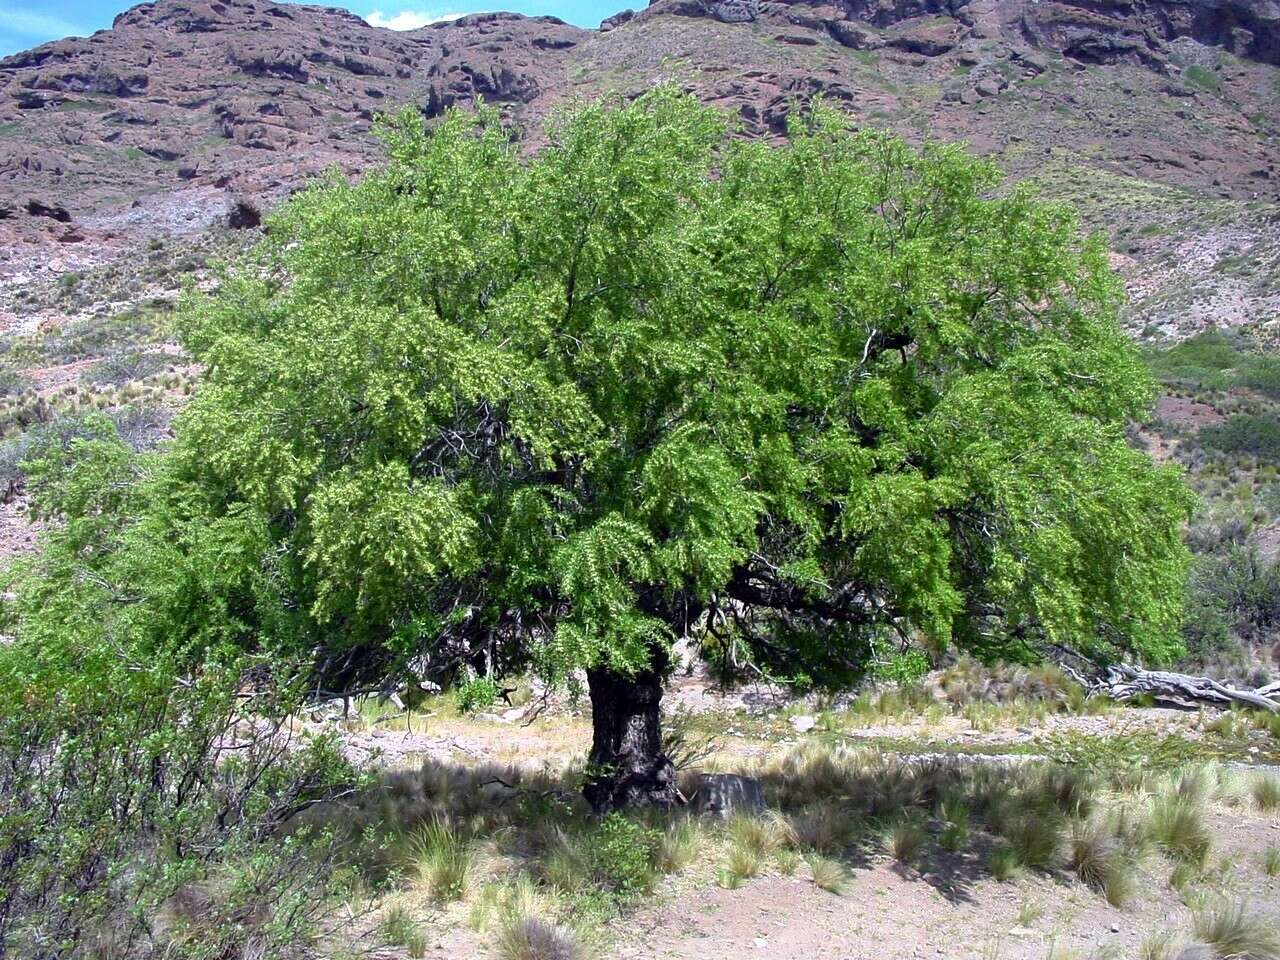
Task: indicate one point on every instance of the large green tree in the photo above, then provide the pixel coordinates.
(562, 410)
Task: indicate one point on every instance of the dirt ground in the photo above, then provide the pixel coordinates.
(948, 906)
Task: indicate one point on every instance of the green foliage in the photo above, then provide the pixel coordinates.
(621, 853)
(1257, 435)
(563, 404)
(1207, 361)
(1202, 77)
(908, 666)
(475, 694)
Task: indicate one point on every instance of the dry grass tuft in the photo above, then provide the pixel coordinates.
(829, 875)
(532, 938)
(1003, 863)
(820, 828)
(905, 840)
(1265, 790)
(1232, 931)
(440, 859)
(1179, 828)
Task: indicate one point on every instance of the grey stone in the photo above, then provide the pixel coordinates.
(725, 794)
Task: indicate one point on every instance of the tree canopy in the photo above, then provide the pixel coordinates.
(562, 409)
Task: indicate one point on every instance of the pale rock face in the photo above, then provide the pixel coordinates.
(725, 794)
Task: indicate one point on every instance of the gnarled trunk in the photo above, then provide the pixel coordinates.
(627, 767)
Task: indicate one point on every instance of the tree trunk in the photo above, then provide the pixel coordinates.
(627, 767)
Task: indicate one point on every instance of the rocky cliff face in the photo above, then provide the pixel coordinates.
(190, 113)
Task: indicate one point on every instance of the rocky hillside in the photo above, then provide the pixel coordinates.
(1160, 117)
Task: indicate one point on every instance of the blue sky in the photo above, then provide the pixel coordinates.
(27, 23)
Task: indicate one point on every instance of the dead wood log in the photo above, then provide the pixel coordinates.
(1123, 682)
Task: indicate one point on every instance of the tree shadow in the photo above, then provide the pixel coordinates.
(837, 803)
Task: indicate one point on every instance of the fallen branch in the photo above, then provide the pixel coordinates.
(1124, 682)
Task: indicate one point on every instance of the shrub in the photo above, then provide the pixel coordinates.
(125, 367)
(1257, 435)
(13, 382)
(476, 694)
(621, 854)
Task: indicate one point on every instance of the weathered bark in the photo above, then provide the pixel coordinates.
(627, 767)
(1124, 682)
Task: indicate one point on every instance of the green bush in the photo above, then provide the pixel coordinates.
(1256, 435)
(476, 693)
(126, 366)
(622, 854)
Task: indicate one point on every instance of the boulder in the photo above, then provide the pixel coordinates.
(724, 794)
(803, 723)
(617, 20)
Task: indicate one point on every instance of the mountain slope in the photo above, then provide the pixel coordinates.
(1160, 117)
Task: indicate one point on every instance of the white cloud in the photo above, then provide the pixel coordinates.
(24, 23)
(409, 19)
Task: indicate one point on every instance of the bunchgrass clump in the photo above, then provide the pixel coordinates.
(1179, 828)
(1003, 863)
(905, 840)
(1232, 930)
(1162, 945)
(534, 938)
(820, 828)
(1265, 790)
(441, 860)
(1271, 861)
(399, 929)
(829, 875)
(678, 846)
(1034, 838)
(744, 862)
(760, 835)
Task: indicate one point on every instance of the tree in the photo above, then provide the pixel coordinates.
(655, 379)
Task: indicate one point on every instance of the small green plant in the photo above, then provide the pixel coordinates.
(1029, 911)
(1202, 77)
(787, 860)
(1003, 863)
(476, 694)
(399, 929)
